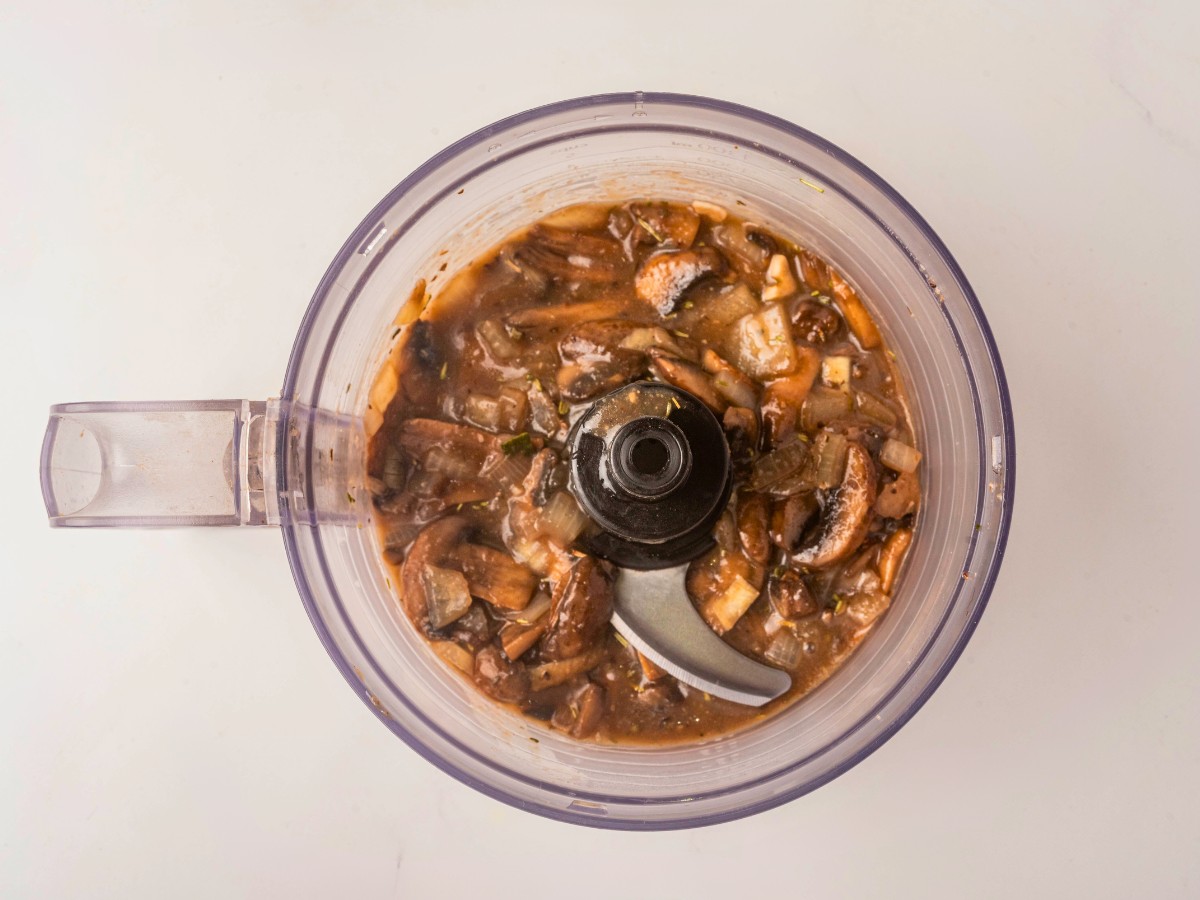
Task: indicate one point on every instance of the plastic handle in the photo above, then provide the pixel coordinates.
(210, 462)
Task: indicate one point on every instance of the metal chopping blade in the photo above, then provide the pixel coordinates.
(650, 465)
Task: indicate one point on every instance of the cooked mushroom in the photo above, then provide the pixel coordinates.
(658, 223)
(500, 677)
(752, 526)
(572, 255)
(815, 322)
(789, 517)
(891, 556)
(523, 528)
(741, 431)
(847, 514)
(688, 377)
(790, 596)
(431, 548)
(664, 277)
(730, 383)
(580, 713)
(496, 577)
(898, 498)
(556, 671)
(594, 361)
(583, 603)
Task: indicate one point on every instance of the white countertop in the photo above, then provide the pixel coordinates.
(173, 183)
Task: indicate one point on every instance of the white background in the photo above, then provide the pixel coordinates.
(174, 180)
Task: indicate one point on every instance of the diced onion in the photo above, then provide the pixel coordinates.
(496, 340)
(777, 464)
(561, 519)
(761, 344)
(823, 406)
(482, 410)
(831, 452)
(835, 371)
(538, 607)
(875, 409)
(899, 457)
(447, 595)
(780, 280)
(724, 610)
(784, 650)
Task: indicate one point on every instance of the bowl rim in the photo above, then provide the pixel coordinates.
(368, 227)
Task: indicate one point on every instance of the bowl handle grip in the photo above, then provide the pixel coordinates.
(208, 462)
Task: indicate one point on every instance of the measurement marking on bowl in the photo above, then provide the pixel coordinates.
(587, 806)
(369, 245)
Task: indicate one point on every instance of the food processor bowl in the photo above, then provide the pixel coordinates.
(299, 461)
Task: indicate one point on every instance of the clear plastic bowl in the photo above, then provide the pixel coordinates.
(308, 469)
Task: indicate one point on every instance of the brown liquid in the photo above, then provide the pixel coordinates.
(472, 411)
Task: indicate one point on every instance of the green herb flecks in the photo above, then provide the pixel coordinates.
(521, 443)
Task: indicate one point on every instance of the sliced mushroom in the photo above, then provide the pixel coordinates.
(789, 517)
(566, 314)
(572, 255)
(500, 677)
(790, 596)
(594, 361)
(688, 377)
(847, 514)
(891, 556)
(496, 577)
(583, 603)
(817, 323)
(741, 431)
(899, 497)
(433, 546)
(659, 222)
(752, 512)
(581, 712)
(664, 277)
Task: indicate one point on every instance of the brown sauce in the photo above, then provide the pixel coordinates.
(469, 417)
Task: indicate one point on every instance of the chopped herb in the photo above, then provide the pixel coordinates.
(815, 294)
(458, 508)
(779, 571)
(838, 604)
(563, 407)
(349, 497)
(688, 304)
(815, 187)
(331, 454)
(396, 332)
(535, 740)
(521, 443)
(482, 504)
(442, 374)
(978, 527)
(675, 400)
(537, 383)
(667, 414)
(620, 639)
(680, 334)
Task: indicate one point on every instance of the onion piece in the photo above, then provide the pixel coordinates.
(551, 674)
(899, 457)
(444, 462)
(513, 408)
(496, 577)
(855, 314)
(830, 459)
(761, 344)
(723, 611)
(777, 464)
(446, 594)
(784, 650)
(561, 519)
(875, 409)
(835, 372)
(496, 340)
(824, 406)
